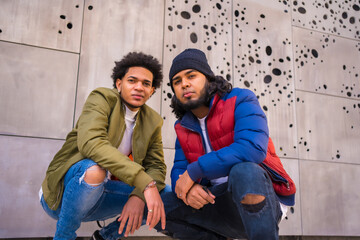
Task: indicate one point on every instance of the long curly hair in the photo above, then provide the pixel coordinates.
(138, 59)
(215, 85)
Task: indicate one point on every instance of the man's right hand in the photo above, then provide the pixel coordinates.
(132, 213)
(197, 197)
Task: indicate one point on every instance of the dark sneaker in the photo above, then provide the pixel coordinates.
(96, 236)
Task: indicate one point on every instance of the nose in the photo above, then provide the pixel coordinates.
(139, 86)
(185, 83)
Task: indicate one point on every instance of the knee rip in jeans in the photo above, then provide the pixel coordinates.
(94, 176)
(253, 203)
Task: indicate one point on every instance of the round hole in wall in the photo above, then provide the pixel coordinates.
(196, 8)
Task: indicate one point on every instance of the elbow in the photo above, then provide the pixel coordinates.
(260, 154)
(260, 157)
(261, 150)
(88, 148)
(83, 148)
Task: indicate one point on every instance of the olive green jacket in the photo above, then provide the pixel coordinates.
(97, 136)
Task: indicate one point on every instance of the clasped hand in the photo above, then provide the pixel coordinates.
(198, 196)
(192, 194)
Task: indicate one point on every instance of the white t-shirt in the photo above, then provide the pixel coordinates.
(126, 143)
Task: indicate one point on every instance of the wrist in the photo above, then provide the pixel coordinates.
(152, 184)
(194, 171)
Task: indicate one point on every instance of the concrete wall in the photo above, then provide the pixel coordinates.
(301, 58)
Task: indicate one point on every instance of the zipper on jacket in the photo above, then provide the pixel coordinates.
(285, 181)
(207, 135)
(120, 136)
(123, 129)
(132, 138)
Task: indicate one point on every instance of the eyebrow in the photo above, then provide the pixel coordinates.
(188, 72)
(145, 80)
(132, 77)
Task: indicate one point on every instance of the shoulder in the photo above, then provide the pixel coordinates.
(241, 93)
(177, 122)
(237, 96)
(102, 94)
(106, 92)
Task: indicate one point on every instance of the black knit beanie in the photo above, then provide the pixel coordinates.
(190, 59)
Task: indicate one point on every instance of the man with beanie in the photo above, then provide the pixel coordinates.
(112, 162)
(224, 161)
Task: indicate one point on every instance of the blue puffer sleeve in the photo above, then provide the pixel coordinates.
(180, 164)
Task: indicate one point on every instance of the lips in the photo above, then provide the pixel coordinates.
(187, 94)
(137, 96)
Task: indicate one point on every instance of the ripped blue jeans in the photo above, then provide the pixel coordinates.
(228, 217)
(82, 202)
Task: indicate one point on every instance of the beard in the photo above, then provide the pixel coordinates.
(203, 100)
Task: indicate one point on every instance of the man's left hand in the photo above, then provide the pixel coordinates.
(155, 207)
(132, 213)
(183, 185)
(199, 196)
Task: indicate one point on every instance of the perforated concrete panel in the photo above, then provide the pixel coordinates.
(169, 155)
(301, 58)
(330, 198)
(335, 17)
(263, 63)
(37, 90)
(195, 24)
(49, 24)
(328, 128)
(326, 64)
(111, 30)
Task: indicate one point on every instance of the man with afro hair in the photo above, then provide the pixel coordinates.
(112, 162)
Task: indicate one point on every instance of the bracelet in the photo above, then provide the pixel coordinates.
(150, 185)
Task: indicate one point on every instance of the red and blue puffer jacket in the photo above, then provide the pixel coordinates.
(237, 132)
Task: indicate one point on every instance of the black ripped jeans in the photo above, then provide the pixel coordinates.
(228, 218)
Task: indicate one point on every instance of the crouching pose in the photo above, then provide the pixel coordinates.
(227, 180)
(112, 162)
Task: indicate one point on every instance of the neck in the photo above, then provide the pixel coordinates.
(201, 111)
(130, 106)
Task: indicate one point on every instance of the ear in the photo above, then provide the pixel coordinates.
(152, 91)
(118, 84)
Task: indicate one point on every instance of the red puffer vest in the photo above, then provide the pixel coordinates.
(222, 135)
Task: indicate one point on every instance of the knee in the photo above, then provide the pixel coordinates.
(245, 179)
(245, 171)
(95, 175)
(251, 198)
(253, 202)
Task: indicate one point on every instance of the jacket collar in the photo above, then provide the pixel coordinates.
(190, 121)
(122, 104)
